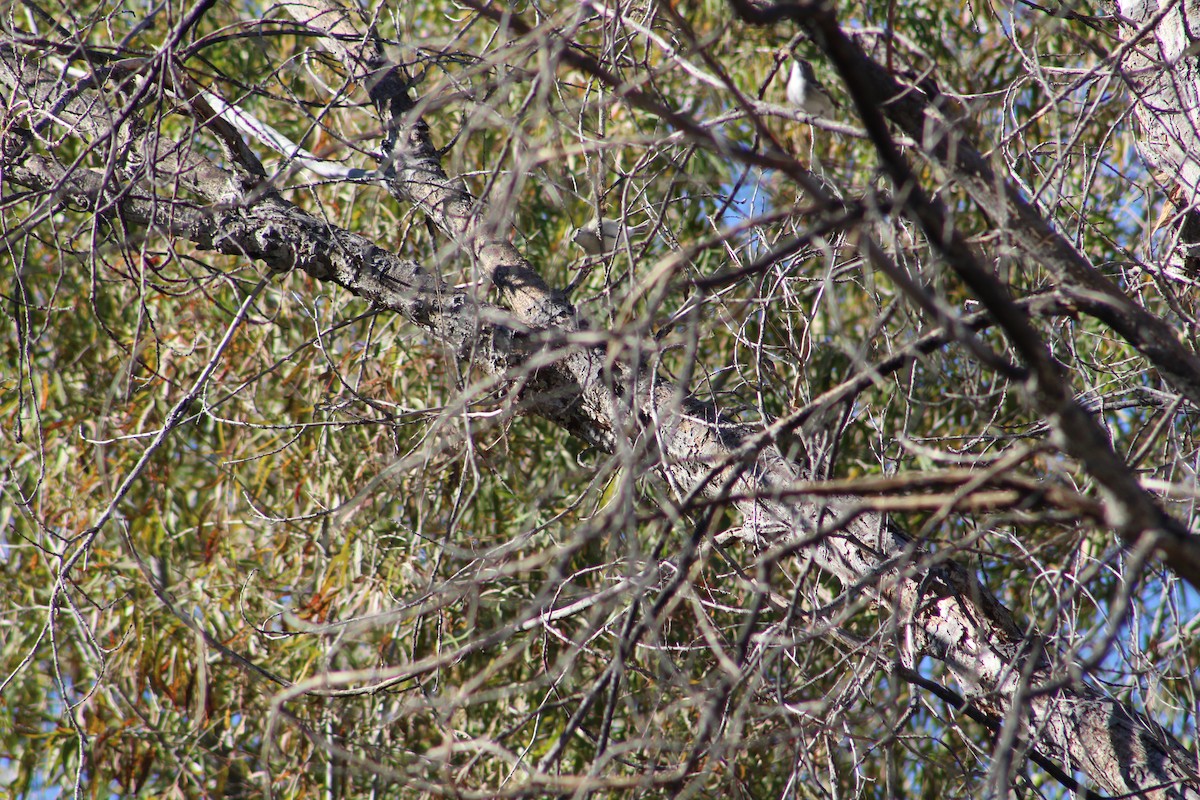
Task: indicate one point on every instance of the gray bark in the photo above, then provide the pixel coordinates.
(1163, 73)
(941, 607)
(946, 141)
(1044, 384)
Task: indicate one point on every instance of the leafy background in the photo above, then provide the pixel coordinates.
(368, 520)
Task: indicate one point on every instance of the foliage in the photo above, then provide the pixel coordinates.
(372, 523)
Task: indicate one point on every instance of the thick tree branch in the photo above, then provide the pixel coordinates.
(1132, 511)
(940, 606)
(1102, 741)
(947, 612)
(1037, 240)
(1162, 70)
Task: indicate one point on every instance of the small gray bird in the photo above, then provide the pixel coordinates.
(601, 236)
(805, 92)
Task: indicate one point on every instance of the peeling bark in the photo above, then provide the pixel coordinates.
(1162, 71)
(940, 606)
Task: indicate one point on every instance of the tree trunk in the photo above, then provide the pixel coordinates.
(940, 607)
(1163, 75)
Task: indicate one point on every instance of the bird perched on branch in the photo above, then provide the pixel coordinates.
(805, 92)
(603, 235)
